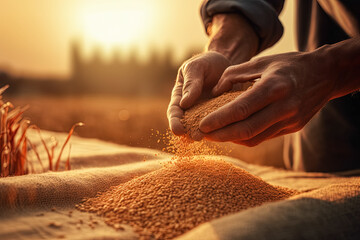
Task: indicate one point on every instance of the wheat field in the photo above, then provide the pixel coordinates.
(132, 121)
(129, 121)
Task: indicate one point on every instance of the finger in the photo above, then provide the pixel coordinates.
(193, 85)
(174, 111)
(277, 130)
(297, 123)
(251, 101)
(238, 74)
(269, 133)
(288, 130)
(252, 126)
(283, 132)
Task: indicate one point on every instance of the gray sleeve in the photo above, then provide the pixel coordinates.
(262, 14)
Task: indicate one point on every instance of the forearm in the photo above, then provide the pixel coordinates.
(233, 36)
(344, 65)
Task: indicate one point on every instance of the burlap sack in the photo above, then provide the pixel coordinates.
(41, 206)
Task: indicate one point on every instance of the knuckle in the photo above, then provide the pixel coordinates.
(188, 83)
(279, 84)
(240, 111)
(280, 89)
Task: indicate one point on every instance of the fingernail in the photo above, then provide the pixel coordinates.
(215, 90)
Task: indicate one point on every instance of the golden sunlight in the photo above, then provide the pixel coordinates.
(112, 24)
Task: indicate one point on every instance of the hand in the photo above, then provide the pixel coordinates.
(289, 90)
(231, 37)
(195, 79)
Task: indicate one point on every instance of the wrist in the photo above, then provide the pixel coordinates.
(342, 63)
(329, 67)
(233, 36)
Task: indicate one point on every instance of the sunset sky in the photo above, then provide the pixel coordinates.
(35, 35)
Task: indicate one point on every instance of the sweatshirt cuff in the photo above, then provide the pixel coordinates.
(261, 15)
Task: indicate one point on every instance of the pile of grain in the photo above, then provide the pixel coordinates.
(195, 114)
(186, 192)
(169, 202)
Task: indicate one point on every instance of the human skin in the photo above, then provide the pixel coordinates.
(290, 88)
(231, 41)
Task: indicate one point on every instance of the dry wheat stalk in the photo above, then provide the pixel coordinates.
(14, 143)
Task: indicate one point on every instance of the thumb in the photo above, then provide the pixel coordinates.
(235, 74)
(192, 88)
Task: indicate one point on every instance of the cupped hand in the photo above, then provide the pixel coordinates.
(196, 78)
(289, 89)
